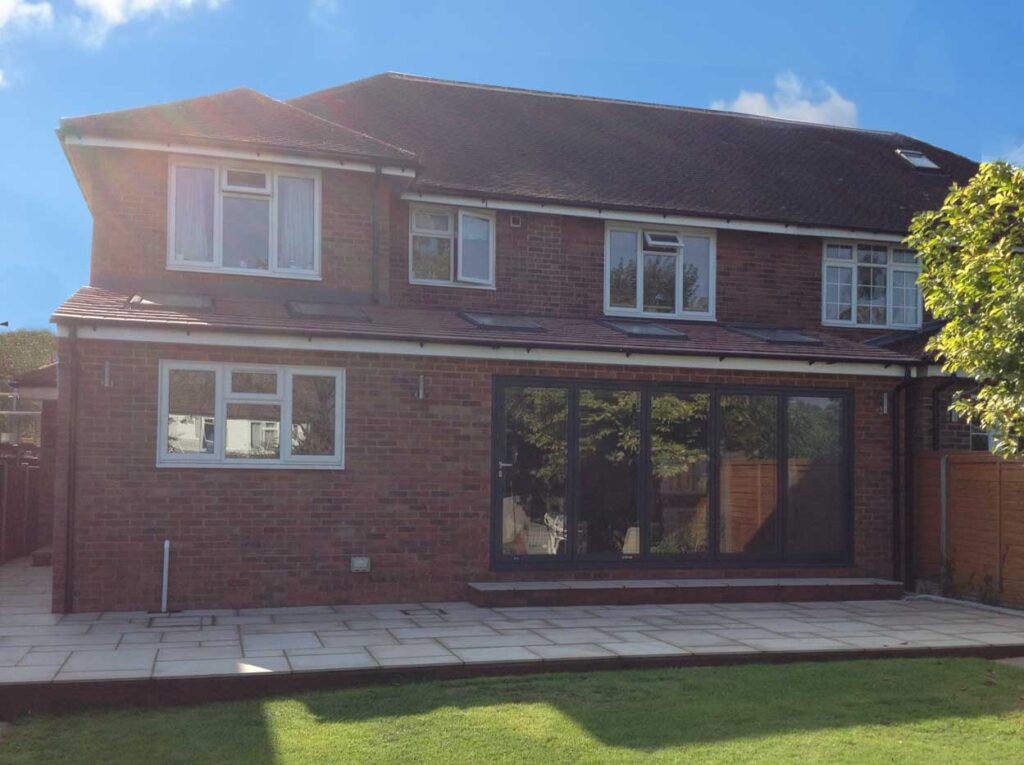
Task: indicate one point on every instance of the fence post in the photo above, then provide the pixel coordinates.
(943, 512)
(999, 526)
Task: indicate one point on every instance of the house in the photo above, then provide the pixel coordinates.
(391, 338)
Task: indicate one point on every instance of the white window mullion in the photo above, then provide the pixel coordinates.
(218, 225)
(639, 267)
(220, 418)
(890, 285)
(680, 270)
(285, 436)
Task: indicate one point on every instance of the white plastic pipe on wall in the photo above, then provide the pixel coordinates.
(167, 562)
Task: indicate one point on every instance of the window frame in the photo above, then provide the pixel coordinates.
(713, 557)
(270, 192)
(891, 268)
(455, 215)
(642, 247)
(224, 395)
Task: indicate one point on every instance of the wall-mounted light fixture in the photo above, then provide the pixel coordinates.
(885, 403)
(420, 392)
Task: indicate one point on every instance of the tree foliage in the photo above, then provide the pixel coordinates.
(24, 350)
(972, 254)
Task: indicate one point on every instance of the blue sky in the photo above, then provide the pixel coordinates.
(948, 73)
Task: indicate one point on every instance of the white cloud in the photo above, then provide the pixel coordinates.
(86, 22)
(18, 14)
(793, 100)
(1015, 155)
(94, 19)
(324, 13)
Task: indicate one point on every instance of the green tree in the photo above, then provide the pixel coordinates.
(972, 256)
(24, 350)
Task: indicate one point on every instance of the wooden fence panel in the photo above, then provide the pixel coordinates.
(984, 506)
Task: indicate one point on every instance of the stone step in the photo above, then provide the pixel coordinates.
(43, 557)
(653, 591)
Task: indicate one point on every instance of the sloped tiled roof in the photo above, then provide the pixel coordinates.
(96, 306)
(543, 147)
(43, 377)
(240, 118)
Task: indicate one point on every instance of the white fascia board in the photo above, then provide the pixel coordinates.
(250, 155)
(37, 394)
(766, 227)
(433, 349)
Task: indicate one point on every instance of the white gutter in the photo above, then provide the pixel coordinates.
(494, 352)
(242, 154)
(766, 227)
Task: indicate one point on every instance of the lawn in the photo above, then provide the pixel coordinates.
(927, 710)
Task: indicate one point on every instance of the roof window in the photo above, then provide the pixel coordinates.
(501, 321)
(644, 329)
(917, 159)
(171, 300)
(308, 310)
(777, 336)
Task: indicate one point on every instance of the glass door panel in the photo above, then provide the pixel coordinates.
(679, 473)
(816, 521)
(608, 524)
(533, 470)
(748, 474)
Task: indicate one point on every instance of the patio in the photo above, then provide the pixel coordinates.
(347, 642)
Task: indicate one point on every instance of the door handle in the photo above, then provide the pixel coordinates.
(501, 468)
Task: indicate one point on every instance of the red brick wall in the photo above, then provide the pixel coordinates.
(414, 494)
(127, 194)
(551, 264)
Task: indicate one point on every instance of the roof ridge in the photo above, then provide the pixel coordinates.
(318, 118)
(597, 99)
(163, 103)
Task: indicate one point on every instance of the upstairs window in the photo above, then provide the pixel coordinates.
(451, 247)
(659, 272)
(244, 220)
(872, 285)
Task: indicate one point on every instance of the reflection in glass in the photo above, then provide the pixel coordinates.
(313, 415)
(190, 411)
(246, 232)
(609, 446)
(431, 258)
(748, 474)
(534, 470)
(622, 269)
(679, 463)
(659, 283)
(254, 382)
(815, 505)
(253, 431)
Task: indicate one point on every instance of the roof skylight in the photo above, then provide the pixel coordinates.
(172, 300)
(777, 336)
(501, 321)
(644, 329)
(917, 159)
(310, 310)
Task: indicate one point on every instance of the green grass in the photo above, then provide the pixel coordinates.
(927, 710)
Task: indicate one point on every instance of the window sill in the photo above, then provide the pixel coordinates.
(244, 272)
(853, 325)
(659, 316)
(254, 465)
(457, 285)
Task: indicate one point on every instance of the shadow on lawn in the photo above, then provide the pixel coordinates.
(654, 709)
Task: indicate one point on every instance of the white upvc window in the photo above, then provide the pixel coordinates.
(250, 415)
(654, 271)
(870, 285)
(451, 247)
(257, 220)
